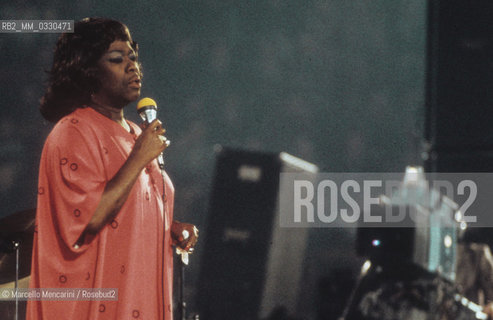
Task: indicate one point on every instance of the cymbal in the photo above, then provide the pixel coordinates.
(17, 227)
(21, 221)
(7, 308)
(22, 283)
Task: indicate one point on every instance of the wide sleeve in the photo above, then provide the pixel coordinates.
(75, 174)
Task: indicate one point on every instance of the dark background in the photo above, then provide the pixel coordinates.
(338, 83)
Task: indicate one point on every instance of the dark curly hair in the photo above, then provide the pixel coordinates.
(74, 74)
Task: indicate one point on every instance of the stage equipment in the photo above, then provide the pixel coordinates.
(407, 293)
(411, 271)
(460, 76)
(250, 266)
(431, 242)
(16, 228)
(16, 243)
(458, 130)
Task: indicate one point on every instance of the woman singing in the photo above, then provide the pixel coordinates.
(104, 214)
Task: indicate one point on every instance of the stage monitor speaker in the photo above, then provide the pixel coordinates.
(461, 161)
(459, 78)
(250, 266)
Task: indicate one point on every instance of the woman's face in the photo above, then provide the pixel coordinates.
(119, 75)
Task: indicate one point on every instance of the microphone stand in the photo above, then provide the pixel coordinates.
(183, 260)
(183, 304)
(16, 246)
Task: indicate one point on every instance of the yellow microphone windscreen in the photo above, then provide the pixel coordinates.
(146, 102)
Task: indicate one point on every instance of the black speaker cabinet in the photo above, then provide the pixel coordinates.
(459, 85)
(250, 266)
(461, 161)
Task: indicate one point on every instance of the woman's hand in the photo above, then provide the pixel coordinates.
(147, 147)
(184, 235)
(150, 144)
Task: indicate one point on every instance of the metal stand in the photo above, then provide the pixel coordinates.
(16, 248)
(365, 268)
(183, 304)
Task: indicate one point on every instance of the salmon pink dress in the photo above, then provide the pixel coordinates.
(132, 253)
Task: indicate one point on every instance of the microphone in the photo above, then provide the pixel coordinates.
(147, 109)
